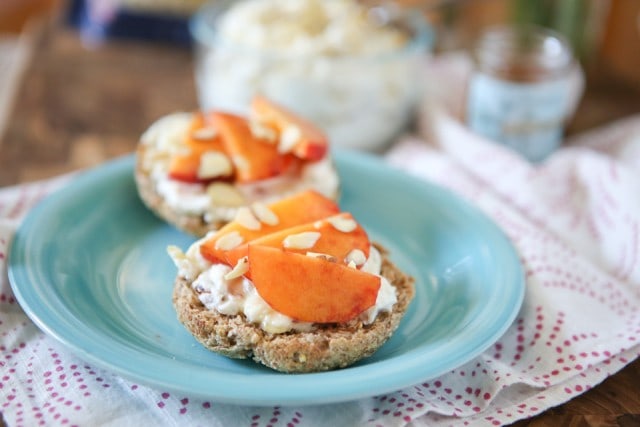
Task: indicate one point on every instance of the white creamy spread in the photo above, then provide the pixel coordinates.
(235, 296)
(308, 27)
(165, 137)
(324, 59)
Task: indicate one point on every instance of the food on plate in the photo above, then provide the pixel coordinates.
(296, 285)
(196, 170)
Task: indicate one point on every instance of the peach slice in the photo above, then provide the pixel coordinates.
(201, 137)
(309, 142)
(253, 158)
(297, 209)
(310, 289)
(201, 167)
(202, 134)
(332, 240)
(185, 167)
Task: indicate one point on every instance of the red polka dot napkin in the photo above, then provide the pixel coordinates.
(574, 220)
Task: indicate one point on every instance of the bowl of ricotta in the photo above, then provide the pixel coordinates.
(351, 69)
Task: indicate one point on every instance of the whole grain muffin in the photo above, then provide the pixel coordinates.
(320, 347)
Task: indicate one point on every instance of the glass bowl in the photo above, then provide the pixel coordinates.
(361, 88)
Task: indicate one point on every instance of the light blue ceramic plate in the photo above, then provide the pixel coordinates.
(89, 266)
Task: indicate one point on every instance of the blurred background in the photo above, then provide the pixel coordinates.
(605, 34)
(78, 57)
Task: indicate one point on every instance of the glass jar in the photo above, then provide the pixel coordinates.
(524, 89)
(354, 75)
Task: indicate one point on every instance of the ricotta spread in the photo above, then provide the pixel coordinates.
(239, 295)
(328, 60)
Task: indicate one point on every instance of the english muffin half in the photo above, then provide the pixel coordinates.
(320, 347)
(296, 285)
(194, 170)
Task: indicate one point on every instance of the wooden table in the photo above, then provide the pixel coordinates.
(78, 107)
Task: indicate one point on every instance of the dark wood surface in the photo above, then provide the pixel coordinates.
(80, 106)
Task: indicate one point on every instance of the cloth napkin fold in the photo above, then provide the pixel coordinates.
(574, 220)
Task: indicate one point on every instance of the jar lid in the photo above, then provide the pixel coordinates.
(523, 53)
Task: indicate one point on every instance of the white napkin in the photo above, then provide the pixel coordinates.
(575, 221)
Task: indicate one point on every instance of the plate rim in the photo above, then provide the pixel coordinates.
(397, 376)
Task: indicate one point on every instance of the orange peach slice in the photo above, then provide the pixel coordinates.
(202, 137)
(185, 167)
(202, 134)
(337, 237)
(253, 158)
(304, 139)
(310, 289)
(297, 209)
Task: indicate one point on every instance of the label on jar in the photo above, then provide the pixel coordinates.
(527, 117)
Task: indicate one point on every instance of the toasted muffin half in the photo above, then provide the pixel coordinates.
(200, 207)
(325, 347)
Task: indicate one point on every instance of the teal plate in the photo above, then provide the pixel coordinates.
(89, 267)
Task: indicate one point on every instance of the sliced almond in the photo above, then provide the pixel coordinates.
(231, 240)
(175, 253)
(241, 267)
(204, 134)
(326, 257)
(245, 218)
(224, 194)
(346, 225)
(264, 214)
(214, 164)
(289, 138)
(240, 162)
(259, 130)
(356, 256)
(305, 240)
